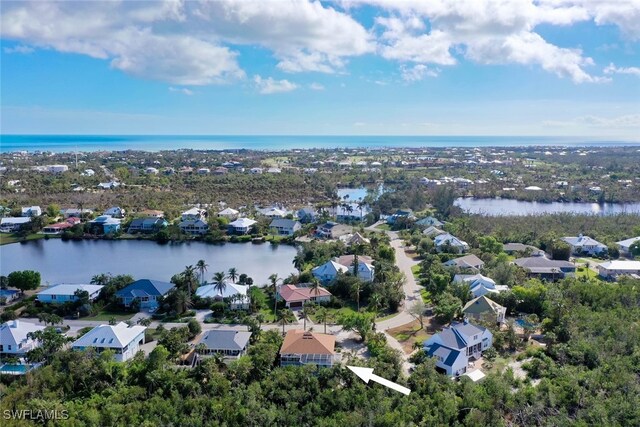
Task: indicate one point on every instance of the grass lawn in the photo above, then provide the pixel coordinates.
(409, 334)
(104, 315)
(384, 227)
(335, 313)
(6, 238)
(416, 271)
(426, 296)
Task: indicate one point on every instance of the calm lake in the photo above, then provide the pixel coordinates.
(78, 261)
(497, 207)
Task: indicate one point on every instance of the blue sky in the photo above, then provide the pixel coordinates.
(464, 67)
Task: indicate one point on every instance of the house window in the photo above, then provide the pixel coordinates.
(9, 347)
(54, 296)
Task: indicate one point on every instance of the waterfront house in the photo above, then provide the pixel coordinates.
(456, 345)
(328, 272)
(296, 296)
(432, 231)
(483, 308)
(115, 212)
(351, 212)
(123, 340)
(307, 215)
(332, 230)
(613, 269)
(241, 226)
(625, 245)
(447, 241)
(193, 226)
(105, 224)
(228, 343)
(284, 227)
(146, 292)
(31, 211)
(193, 214)
(59, 227)
(542, 267)
(12, 224)
(470, 261)
(308, 348)
(14, 340)
(400, 214)
(355, 239)
(230, 214)
(60, 294)
(478, 284)
(235, 294)
(585, 245)
(151, 213)
(75, 213)
(147, 225)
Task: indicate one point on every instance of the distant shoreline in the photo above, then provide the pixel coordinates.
(274, 143)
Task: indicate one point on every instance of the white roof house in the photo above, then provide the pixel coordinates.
(231, 290)
(122, 339)
(62, 293)
(612, 269)
(328, 271)
(229, 213)
(478, 284)
(625, 245)
(241, 225)
(581, 244)
(447, 239)
(13, 223)
(31, 211)
(115, 211)
(193, 214)
(13, 337)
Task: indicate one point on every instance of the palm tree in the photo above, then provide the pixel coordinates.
(375, 304)
(189, 277)
(357, 287)
(285, 317)
(100, 279)
(322, 314)
(219, 282)
(315, 286)
(587, 266)
(182, 301)
(355, 264)
(233, 274)
(298, 262)
(202, 268)
(274, 282)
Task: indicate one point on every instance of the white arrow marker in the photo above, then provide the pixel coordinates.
(367, 374)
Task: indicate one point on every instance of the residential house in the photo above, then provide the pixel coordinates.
(456, 345)
(241, 226)
(432, 231)
(146, 292)
(230, 214)
(108, 185)
(285, 227)
(429, 222)
(75, 213)
(511, 248)
(482, 308)
(307, 215)
(122, 339)
(31, 211)
(273, 212)
(193, 226)
(149, 224)
(615, 268)
(470, 261)
(203, 171)
(296, 296)
(11, 224)
(329, 271)
(228, 343)
(400, 214)
(478, 284)
(193, 214)
(151, 213)
(448, 241)
(115, 212)
(14, 339)
(332, 230)
(308, 348)
(351, 212)
(542, 267)
(232, 292)
(585, 245)
(105, 224)
(625, 245)
(60, 294)
(355, 239)
(59, 227)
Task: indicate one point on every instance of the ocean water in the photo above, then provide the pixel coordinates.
(68, 143)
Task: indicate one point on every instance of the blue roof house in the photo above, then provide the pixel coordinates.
(147, 292)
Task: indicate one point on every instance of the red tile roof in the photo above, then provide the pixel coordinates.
(292, 293)
(301, 342)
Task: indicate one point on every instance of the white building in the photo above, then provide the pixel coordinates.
(31, 211)
(193, 214)
(625, 245)
(230, 214)
(59, 294)
(443, 241)
(115, 211)
(241, 226)
(14, 338)
(236, 294)
(479, 285)
(11, 224)
(123, 340)
(57, 168)
(613, 269)
(585, 244)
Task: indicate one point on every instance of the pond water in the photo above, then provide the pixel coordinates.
(497, 207)
(61, 261)
(355, 194)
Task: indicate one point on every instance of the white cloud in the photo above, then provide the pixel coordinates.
(269, 86)
(316, 86)
(182, 90)
(612, 69)
(416, 72)
(625, 121)
(19, 49)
